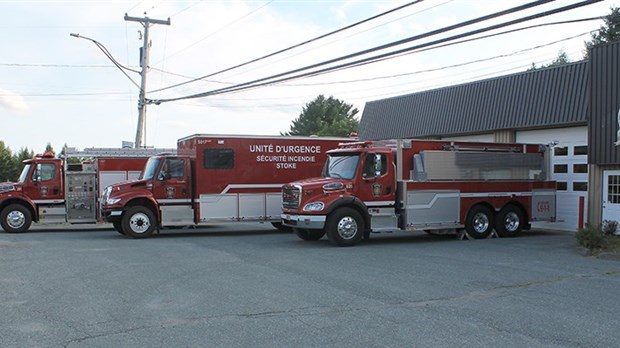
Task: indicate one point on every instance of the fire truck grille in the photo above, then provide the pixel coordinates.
(290, 197)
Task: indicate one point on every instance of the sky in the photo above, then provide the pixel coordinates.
(59, 89)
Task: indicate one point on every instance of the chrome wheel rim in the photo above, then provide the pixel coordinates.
(139, 223)
(511, 221)
(481, 223)
(15, 219)
(347, 227)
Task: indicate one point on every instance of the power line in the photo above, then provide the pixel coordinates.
(293, 46)
(217, 31)
(348, 36)
(274, 78)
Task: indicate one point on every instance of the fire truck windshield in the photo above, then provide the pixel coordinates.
(150, 168)
(24, 175)
(341, 166)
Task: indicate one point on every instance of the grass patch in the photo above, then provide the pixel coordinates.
(601, 239)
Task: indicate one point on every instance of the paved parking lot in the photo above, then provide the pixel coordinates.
(250, 285)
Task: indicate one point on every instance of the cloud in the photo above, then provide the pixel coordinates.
(13, 102)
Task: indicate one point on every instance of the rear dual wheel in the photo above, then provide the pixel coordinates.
(509, 221)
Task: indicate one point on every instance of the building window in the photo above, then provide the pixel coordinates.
(219, 158)
(613, 189)
(580, 168)
(580, 186)
(580, 150)
(560, 151)
(561, 186)
(560, 168)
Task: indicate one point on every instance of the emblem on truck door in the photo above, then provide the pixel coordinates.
(170, 192)
(376, 189)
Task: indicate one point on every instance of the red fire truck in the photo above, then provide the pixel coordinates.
(431, 186)
(214, 178)
(50, 190)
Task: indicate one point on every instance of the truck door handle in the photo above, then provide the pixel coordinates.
(388, 189)
(55, 190)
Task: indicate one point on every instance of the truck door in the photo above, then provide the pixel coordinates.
(377, 182)
(45, 183)
(172, 189)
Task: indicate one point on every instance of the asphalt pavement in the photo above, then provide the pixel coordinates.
(249, 285)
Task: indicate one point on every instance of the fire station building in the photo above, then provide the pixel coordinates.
(573, 107)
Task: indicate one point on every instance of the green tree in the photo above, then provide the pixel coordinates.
(325, 117)
(609, 32)
(7, 163)
(70, 160)
(561, 59)
(22, 154)
(49, 148)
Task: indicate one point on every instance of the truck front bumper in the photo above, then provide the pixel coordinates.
(112, 215)
(312, 222)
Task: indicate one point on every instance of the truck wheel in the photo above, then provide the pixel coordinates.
(15, 218)
(509, 221)
(345, 227)
(479, 223)
(118, 227)
(309, 235)
(138, 222)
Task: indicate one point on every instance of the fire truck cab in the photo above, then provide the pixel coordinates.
(417, 185)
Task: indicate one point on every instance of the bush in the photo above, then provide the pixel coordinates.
(591, 238)
(609, 227)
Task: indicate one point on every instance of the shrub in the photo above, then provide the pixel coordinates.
(591, 238)
(609, 227)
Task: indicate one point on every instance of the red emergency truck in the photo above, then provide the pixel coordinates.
(50, 190)
(214, 178)
(430, 186)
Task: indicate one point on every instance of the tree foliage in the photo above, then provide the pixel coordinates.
(561, 59)
(609, 32)
(325, 117)
(10, 163)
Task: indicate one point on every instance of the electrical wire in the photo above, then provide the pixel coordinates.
(280, 77)
(293, 46)
(217, 31)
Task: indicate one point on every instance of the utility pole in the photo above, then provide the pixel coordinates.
(144, 63)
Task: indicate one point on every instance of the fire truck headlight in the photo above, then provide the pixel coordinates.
(314, 206)
(111, 201)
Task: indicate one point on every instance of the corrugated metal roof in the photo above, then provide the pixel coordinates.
(550, 97)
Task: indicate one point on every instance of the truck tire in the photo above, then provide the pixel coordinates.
(509, 221)
(118, 227)
(345, 227)
(479, 223)
(138, 222)
(15, 218)
(309, 235)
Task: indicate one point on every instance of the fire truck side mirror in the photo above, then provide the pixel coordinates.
(163, 176)
(378, 165)
(36, 176)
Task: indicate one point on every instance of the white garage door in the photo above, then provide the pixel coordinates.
(569, 168)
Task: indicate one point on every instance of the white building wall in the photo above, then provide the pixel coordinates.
(568, 168)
